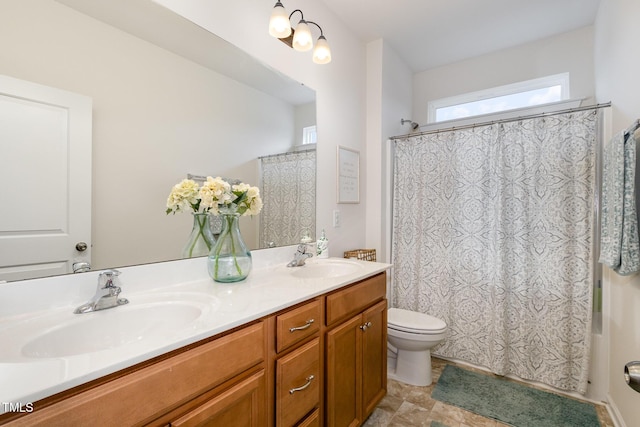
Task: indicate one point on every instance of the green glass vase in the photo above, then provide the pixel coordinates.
(201, 239)
(229, 260)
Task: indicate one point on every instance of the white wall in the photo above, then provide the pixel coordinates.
(156, 117)
(616, 72)
(389, 96)
(339, 86)
(572, 52)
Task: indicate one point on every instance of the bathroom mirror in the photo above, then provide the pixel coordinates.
(169, 99)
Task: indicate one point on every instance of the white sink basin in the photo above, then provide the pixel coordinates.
(153, 319)
(106, 329)
(326, 268)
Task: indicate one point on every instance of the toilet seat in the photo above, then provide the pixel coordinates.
(413, 322)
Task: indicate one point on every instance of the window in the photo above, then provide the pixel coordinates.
(309, 135)
(529, 93)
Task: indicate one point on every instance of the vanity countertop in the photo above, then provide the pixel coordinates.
(35, 315)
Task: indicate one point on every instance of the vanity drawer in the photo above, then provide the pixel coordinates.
(297, 324)
(347, 302)
(312, 420)
(145, 394)
(298, 383)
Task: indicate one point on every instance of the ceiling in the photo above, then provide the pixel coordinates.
(431, 33)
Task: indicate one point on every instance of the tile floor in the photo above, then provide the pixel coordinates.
(406, 405)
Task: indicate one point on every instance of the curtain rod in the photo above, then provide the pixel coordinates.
(287, 153)
(512, 119)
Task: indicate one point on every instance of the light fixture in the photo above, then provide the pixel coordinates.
(299, 38)
(302, 38)
(279, 24)
(322, 53)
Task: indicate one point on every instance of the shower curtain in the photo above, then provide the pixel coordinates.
(288, 184)
(492, 232)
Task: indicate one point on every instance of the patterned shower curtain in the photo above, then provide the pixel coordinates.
(493, 232)
(289, 194)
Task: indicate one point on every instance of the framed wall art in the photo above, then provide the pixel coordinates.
(348, 175)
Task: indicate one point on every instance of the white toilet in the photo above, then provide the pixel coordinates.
(413, 334)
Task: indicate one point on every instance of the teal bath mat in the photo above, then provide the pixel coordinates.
(510, 402)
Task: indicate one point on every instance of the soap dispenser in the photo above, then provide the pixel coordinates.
(322, 246)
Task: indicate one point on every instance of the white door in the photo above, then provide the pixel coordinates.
(45, 179)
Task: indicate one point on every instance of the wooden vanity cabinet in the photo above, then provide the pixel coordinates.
(356, 351)
(321, 362)
(352, 375)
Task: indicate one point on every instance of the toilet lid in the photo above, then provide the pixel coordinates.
(412, 321)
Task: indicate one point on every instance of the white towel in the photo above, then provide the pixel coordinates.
(620, 245)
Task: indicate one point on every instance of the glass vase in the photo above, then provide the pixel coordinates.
(201, 239)
(229, 259)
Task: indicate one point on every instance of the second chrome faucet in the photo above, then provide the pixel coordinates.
(301, 255)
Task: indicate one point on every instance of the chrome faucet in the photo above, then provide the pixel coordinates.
(81, 267)
(300, 256)
(106, 295)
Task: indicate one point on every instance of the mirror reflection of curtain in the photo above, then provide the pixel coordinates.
(289, 194)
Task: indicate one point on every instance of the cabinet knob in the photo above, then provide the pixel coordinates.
(303, 327)
(302, 387)
(366, 326)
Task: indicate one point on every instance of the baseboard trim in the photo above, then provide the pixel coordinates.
(614, 413)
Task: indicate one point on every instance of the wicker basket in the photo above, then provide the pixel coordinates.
(361, 254)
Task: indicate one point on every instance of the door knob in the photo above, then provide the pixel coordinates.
(81, 246)
(632, 375)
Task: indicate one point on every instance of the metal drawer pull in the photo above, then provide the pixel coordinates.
(308, 383)
(300, 328)
(366, 326)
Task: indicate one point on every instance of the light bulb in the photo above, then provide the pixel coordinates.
(322, 53)
(279, 25)
(302, 40)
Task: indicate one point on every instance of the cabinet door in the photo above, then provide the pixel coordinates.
(344, 380)
(374, 356)
(243, 405)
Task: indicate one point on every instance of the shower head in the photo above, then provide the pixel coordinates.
(414, 125)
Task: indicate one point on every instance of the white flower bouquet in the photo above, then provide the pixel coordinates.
(215, 196)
